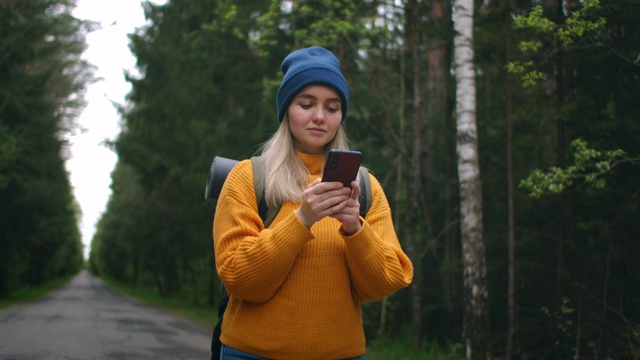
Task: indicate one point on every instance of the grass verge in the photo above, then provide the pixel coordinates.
(32, 293)
(385, 349)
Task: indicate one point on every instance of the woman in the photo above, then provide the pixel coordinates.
(296, 287)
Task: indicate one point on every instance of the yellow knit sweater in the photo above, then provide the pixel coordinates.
(295, 293)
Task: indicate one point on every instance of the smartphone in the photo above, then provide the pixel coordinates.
(342, 166)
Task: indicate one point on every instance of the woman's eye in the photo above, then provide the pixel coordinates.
(306, 106)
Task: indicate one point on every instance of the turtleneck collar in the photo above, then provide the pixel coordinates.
(313, 162)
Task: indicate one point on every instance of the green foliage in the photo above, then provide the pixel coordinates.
(590, 165)
(576, 27)
(381, 349)
(29, 293)
(530, 76)
(569, 243)
(295, 24)
(42, 78)
(225, 20)
(561, 317)
(535, 21)
(9, 151)
(532, 46)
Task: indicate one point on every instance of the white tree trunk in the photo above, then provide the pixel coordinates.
(475, 319)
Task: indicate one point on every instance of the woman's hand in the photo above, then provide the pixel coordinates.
(322, 199)
(349, 215)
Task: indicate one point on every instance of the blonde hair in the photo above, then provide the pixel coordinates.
(285, 174)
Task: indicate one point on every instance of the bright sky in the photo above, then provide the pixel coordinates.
(91, 162)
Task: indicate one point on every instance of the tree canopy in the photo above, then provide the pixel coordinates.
(42, 79)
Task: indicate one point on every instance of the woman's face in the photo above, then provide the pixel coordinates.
(315, 114)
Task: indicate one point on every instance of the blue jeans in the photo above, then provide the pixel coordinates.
(229, 353)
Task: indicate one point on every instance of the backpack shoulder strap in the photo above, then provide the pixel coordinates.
(266, 213)
(365, 191)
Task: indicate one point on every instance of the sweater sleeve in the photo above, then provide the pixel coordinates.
(377, 263)
(252, 261)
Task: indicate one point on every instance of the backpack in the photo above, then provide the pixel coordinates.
(220, 168)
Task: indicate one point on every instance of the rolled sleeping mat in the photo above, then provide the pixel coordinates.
(220, 168)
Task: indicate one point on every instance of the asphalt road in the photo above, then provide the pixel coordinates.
(86, 319)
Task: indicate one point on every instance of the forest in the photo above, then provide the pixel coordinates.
(504, 132)
(42, 80)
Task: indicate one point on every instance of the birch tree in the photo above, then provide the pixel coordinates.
(475, 325)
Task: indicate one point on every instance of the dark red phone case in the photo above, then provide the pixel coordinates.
(342, 166)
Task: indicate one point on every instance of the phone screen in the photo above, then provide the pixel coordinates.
(342, 166)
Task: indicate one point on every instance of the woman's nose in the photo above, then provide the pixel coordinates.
(318, 115)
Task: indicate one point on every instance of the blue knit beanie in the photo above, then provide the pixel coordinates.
(313, 65)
